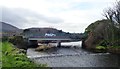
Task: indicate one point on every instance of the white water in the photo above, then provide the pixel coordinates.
(77, 43)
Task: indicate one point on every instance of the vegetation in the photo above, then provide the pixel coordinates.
(92, 26)
(106, 32)
(0, 55)
(113, 14)
(105, 35)
(18, 41)
(100, 47)
(12, 57)
(4, 38)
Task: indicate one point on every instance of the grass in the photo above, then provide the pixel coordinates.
(12, 57)
(0, 54)
(100, 47)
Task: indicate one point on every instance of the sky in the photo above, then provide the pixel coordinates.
(67, 15)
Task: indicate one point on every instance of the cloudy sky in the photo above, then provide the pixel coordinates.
(68, 15)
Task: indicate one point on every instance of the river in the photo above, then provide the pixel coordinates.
(73, 57)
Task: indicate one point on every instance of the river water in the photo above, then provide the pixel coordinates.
(73, 57)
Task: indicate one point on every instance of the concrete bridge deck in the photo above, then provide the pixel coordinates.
(61, 39)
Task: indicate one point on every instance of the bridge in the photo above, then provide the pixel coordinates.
(51, 39)
(48, 35)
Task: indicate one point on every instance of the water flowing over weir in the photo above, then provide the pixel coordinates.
(72, 56)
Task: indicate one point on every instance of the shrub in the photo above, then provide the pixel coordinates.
(18, 41)
(4, 38)
(104, 43)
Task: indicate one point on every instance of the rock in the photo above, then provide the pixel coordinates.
(43, 47)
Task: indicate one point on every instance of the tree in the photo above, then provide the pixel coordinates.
(117, 12)
(109, 13)
(113, 14)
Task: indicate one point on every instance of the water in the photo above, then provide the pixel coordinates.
(73, 57)
(78, 43)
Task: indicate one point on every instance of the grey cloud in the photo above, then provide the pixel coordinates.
(18, 17)
(9, 16)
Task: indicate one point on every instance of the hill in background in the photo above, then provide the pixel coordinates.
(9, 30)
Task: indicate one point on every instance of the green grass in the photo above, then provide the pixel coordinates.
(11, 57)
(100, 47)
(0, 54)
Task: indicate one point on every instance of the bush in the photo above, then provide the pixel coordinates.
(104, 43)
(18, 41)
(4, 38)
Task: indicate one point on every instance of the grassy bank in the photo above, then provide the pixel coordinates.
(110, 49)
(13, 57)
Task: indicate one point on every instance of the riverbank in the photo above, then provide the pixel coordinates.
(14, 57)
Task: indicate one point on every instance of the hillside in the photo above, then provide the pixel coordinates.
(8, 28)
(46, 32)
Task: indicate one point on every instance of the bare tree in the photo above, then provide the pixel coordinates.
(109, 13)
(113, 14)
(117, 12)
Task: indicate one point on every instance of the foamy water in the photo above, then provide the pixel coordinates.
(77, 43)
